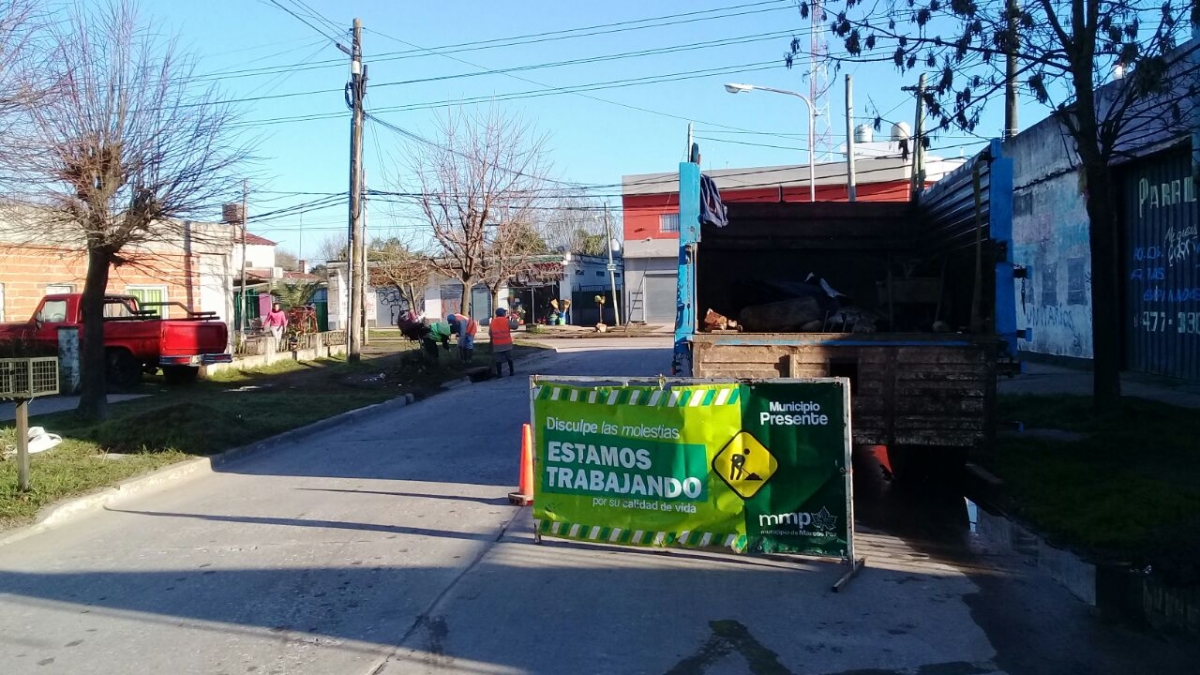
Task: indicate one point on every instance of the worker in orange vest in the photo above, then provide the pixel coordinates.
(502, 341)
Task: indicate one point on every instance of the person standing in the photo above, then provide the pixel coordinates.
(500, 332)
(276, 321)
(465, 328)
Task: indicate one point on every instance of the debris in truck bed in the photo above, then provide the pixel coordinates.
(716, 321)
(781, 317)
(851, 320)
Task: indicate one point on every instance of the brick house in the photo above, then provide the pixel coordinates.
(196, 271)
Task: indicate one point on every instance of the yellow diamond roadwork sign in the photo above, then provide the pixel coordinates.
(745, 464)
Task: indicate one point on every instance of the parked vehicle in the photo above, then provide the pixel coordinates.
(136, 339)
(899, 298)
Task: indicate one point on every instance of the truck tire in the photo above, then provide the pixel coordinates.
(123, 371)
(180, 374)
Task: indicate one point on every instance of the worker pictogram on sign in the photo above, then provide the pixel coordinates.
(745, 464)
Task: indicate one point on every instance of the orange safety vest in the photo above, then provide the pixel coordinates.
(472, 327)
(500, 331)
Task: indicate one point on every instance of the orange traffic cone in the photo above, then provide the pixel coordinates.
(524, 494)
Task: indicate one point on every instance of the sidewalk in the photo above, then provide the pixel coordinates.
(53, 404)
(1042, 379)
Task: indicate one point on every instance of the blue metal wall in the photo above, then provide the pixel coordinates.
(1162, 266)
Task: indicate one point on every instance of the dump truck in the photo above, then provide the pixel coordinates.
(912, 301)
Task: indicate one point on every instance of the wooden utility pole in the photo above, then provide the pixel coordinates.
(1010, 84)
(356, 92)
(918, 156)
(851, 188)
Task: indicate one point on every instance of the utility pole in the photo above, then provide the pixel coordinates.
(356, 91)
(918, 160)
(851, 187)
(1010, 84)
(612, 267)
(687, 155)
(242, 318)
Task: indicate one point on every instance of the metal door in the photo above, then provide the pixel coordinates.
(660, 301)
(1162, 267)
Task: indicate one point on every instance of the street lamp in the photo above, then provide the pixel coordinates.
(734, 88)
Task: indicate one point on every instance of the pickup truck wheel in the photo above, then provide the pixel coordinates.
(124, 371)
(180, 374)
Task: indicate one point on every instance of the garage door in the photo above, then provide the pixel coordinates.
(660, 299)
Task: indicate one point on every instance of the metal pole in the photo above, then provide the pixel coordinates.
(612, 269)
(851, 187)
(1010, 84)
(687, 156)
(23, 444)
(245, 198)
(812, 148)
(356, 268)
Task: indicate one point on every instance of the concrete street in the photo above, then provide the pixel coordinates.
(389, 547)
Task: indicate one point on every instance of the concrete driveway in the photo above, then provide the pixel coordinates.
(389, 547)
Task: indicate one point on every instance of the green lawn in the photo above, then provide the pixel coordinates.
(1129, 491)
(207, 417)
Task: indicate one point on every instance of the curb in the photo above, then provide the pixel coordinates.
(57, 514)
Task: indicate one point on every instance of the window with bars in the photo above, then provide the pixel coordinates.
(668, 222)
(149, 295)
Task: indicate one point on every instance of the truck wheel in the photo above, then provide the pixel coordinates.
(180, 374)
(124, 371)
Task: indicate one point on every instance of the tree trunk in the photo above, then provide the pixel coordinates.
(93, 398)
(465, 305)
(1106, 303)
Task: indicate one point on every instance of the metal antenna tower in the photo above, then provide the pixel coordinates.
(818, 81)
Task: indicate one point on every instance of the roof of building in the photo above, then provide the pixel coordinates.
(255, 240)
(867, 170)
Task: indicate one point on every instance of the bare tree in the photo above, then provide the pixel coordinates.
(1071, 55)
(575, 224)
(286, 260)
(17, 30)
(484, 171)
(394, 265)
(334, 248)
(125, 149)
(510, 253)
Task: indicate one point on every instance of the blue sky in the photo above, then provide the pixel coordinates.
(591, 141)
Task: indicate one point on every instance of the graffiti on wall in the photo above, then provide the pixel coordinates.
(1050, 239)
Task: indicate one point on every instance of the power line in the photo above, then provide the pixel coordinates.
(317, 16)
(577, 93)
(723, 42)
(446, 50)
(308, 23)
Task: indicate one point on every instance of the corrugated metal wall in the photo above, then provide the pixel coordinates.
(948, 208)
(1162, 266)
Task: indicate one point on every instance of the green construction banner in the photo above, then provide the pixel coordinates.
(755, 466)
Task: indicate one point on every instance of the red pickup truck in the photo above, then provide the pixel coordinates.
(136, 339)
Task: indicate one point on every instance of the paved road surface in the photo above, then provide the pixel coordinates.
(389, 547)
